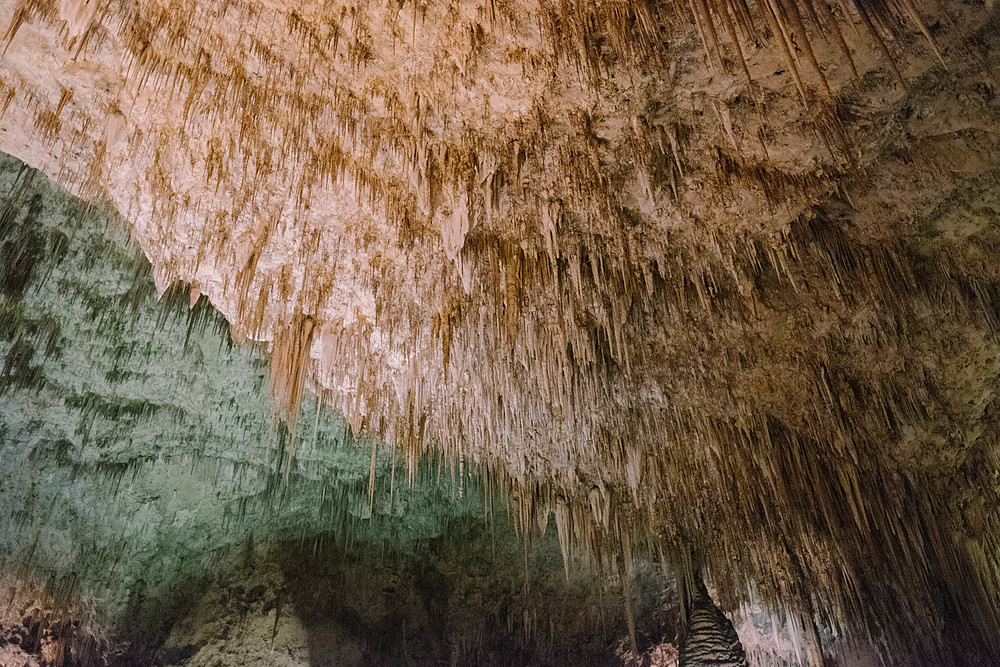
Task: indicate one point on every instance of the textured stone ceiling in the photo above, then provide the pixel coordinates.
(720, 272)
(150, 514)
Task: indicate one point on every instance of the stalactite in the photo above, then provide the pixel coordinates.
(482, 279)
(289, 367)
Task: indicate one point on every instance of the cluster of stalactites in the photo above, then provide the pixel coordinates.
(293, 119)
(562, 286)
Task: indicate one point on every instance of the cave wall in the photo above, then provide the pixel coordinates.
(152, 512)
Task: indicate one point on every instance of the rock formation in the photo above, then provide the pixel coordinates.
(151, 514)
(715, 283)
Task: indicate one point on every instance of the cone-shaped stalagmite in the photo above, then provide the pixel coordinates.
(709, 638)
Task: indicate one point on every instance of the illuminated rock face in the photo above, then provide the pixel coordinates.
(146, 496)
(750, 325)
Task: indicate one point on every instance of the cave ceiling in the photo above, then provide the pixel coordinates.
(721, 274)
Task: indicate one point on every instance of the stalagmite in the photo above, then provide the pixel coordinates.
(709, 638)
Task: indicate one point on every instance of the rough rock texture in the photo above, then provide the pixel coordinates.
(652, 265)
(149, 513)
(463, 602)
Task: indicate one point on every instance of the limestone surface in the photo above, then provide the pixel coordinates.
(714, 279)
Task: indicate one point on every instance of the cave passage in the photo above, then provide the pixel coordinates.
(646, 333)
